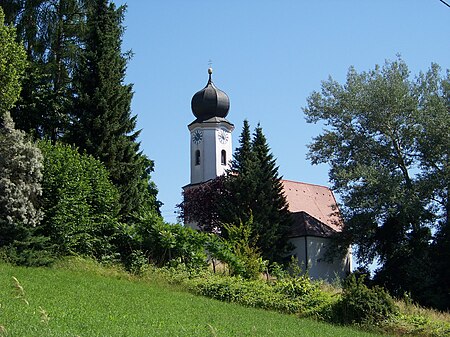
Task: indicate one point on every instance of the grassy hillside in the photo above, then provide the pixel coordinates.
(91, 301)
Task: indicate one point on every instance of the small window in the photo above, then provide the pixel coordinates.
(223, 157)
(197, 157)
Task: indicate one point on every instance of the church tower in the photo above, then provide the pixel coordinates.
(211, 141)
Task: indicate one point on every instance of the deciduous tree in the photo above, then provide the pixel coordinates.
(386, 140)
(12, 65)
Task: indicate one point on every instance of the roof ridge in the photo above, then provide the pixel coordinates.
(310, 184)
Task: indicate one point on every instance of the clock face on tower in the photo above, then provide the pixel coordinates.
(223, 136)
(197, 136)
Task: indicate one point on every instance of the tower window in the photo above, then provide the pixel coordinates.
(197, 157)
(223, 157)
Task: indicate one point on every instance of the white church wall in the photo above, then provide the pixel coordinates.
(313, 249)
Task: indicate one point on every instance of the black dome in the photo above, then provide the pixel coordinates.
(210, 102)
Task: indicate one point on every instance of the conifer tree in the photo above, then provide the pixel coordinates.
(102, 123)
(50, 32)
(272, 220)
(254, 190)
(241, 182)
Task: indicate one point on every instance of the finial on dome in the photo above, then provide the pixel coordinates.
(210, 73)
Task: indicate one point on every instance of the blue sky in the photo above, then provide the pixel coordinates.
(268, 56)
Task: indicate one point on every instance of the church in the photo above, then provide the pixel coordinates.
(315, 213)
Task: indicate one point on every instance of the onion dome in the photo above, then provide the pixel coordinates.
(210, 102)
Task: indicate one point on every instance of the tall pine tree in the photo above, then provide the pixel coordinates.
(254, 190)
(241, 182)
(102, 123)
(272, 220)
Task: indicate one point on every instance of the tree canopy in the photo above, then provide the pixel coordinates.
(12, 66)
(51, 33)
(386, 139)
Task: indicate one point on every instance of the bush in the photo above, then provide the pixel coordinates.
(170, 244)
(299, 296)
(244, 248)
(360, 304)
(251, 293)
(20, 183)
(79, 201)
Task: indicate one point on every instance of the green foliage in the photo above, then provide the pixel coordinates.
(12, 66)
(360, 304)
(386, 141)
(254, 191)
(272, 220)
(170, 243)
(33, 251)
(221, 250)
(102, 124)
(81, 204)
(73, 89)
(243, 245)
(50, 32)
(294, 295)
(20, 178)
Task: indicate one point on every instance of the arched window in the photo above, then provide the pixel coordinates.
(197, 157)
(223, 157)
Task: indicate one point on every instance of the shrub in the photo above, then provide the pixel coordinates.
(360, 304)
(299, 296)
(171, 244)
(243, 246)
(79, 201)
(20, 183)
(252, 293)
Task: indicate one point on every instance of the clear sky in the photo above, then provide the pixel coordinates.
(268, 56)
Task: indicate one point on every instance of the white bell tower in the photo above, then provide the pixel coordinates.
(211, 139)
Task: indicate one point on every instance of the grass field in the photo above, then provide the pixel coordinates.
(92, 302)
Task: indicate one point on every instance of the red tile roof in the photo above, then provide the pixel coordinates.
(314, 209)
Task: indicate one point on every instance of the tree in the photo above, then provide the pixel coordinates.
(201, 205)
(255, 191)
(12, 66)
(20, 160)
(379, 144)
(272, 220)
(241, 182)
(50, 32)
(102, 124)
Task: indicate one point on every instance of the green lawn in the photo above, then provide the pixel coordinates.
(61, 302)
